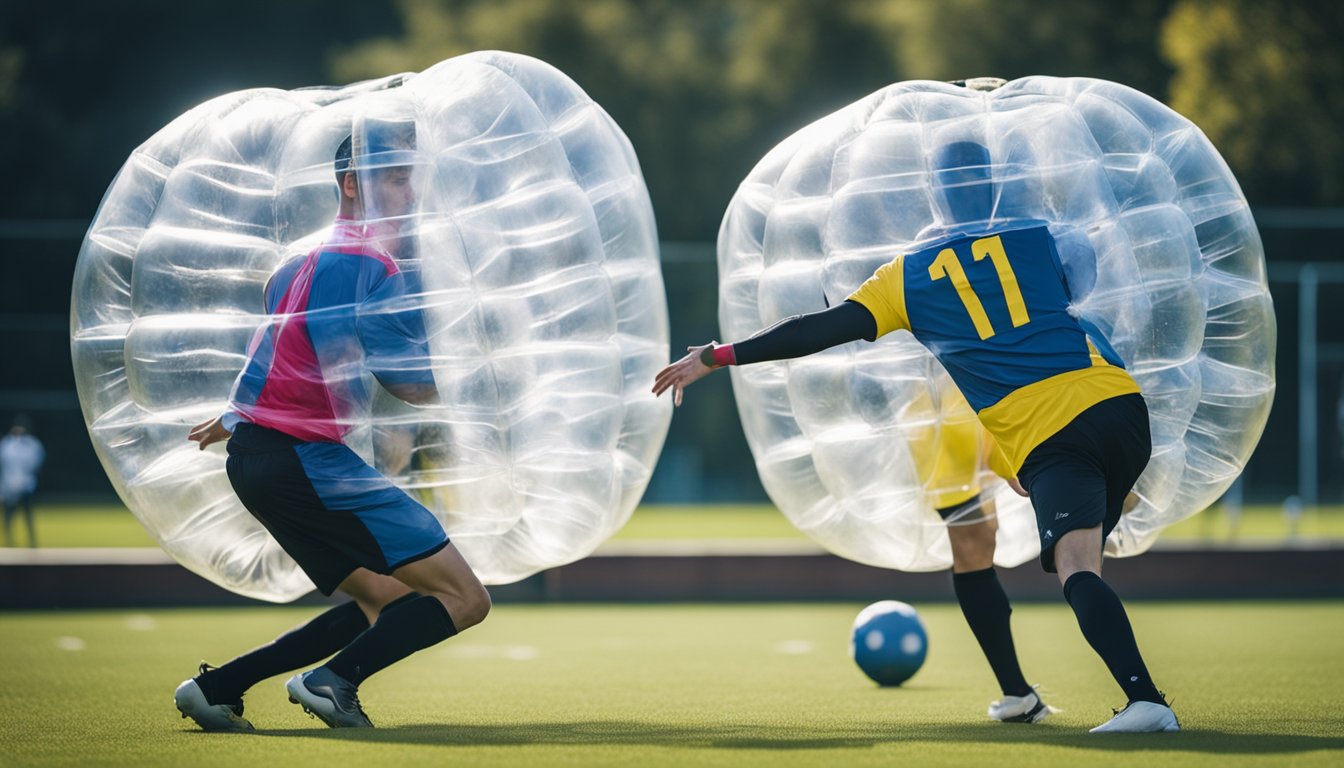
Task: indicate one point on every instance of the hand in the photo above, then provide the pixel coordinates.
(682, 373)
(1017, 486)
(209, 432)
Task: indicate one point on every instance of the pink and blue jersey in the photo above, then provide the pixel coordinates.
(341, 312)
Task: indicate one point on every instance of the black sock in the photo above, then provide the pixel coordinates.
(986, 609)
(406, 598)
(308, 644)
(1105, 624)
(399, 632)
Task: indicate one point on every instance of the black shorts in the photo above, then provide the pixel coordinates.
(327, 508)
(969, 511)
(1079, 477)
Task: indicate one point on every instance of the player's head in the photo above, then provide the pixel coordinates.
(963, 189)
(342, 162)
(374, 168)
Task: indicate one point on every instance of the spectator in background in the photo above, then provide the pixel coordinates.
(21, 457)
(1339, 418)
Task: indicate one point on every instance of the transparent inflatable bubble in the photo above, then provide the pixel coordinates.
(527, 272)
(1160, 251)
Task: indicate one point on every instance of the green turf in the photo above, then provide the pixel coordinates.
(1256, 684)
(113, 526)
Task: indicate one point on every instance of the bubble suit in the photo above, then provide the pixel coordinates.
(1160, 251)
(530, 262)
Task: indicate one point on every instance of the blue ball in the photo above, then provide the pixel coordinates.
(889, 642)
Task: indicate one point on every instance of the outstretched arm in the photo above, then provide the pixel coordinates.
(796, 336)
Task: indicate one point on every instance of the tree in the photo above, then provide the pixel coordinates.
(1265, 81)
(952, 39)
(702, 88)
(82, 84)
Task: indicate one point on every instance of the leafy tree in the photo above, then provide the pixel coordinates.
(703, 88)
(83, 83)
(1265, 81)
(951, 39)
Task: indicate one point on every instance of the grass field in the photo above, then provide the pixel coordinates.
(725, 685)
(69, 525)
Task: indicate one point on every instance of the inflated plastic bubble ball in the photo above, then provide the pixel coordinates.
(511, 210)
(1158, 246)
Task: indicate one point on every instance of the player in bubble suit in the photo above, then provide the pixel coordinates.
(338, 313)
(990, 300)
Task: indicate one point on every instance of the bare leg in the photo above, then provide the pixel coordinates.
(1078, 550)
(446, 576)
(28, 517)
(372, 591)
(973, 545)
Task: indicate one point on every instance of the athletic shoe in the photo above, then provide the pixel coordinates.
(1140, 717)
(331, 697)
(1020, 709)
(192, 702)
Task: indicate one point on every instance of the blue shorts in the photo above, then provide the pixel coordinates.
(1079, 477)
(328, 509)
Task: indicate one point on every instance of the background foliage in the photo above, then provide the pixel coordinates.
(703, 88)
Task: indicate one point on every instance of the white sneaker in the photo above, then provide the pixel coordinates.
(1020, 709)
(191, 702)
(1141, 717)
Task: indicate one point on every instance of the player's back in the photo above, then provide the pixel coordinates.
(993, 307)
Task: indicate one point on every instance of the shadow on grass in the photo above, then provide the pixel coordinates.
(793, 737)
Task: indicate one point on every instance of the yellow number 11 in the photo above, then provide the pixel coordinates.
(947, 265)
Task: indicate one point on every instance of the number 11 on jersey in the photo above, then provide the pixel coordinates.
(948, 265)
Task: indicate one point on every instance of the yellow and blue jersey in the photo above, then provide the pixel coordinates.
(992, 306)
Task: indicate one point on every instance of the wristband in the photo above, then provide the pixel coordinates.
(717, 356)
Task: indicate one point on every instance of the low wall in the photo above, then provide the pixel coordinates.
(44, 579)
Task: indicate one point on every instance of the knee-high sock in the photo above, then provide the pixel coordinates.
(987, 611)
(398, 633)
(308, 644)
(1105, 624)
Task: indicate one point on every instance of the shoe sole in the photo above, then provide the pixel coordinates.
(1164, 729)
(185, 699)
(1168, 728)
(1035, 715)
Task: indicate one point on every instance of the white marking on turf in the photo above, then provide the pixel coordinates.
(141, 622)
(794, 647)
(68, 643)
(510, 652)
